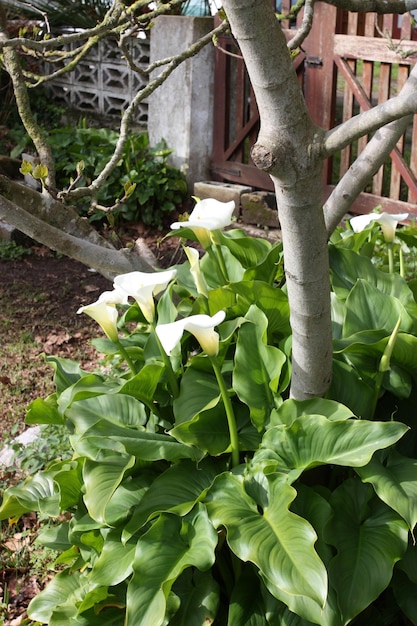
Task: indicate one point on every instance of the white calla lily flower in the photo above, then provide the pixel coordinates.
(104, 312)
(387, 221)
(201, 326)
(142, 287)
(210, 214)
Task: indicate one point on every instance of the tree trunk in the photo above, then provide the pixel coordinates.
(288, 148)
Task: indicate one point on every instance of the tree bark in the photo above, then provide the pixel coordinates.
(60, 228)
(288, 148)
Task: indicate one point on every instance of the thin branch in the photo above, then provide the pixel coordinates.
(368, 122)
(305, 28)
(367, 164)
(375, 6)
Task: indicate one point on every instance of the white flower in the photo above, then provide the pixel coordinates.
(387, 221)
(201, 326)
(210, 214)
(105, 314)
(142, 287)
(194, 260)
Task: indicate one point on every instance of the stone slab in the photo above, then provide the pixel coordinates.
(260, 208)
(224, 192)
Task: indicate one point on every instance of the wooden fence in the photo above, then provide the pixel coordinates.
(350, 62)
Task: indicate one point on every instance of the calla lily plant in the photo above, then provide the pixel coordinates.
(388, 223)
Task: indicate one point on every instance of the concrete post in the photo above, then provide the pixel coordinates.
(181, 110)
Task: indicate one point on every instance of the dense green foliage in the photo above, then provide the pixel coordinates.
(308, 519)
(160, 188)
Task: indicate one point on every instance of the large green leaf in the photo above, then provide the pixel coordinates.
(144, 384)
(146, 446)
(87, 387)
(118, 409)
(65, 588)
(115, 562)
(348, 266)
(249, 251)
(208, 431)
(238, 298)
(257, 367)
(395, 482)
(66, 372)
(367, 308)
(175, 491)
(405, 595)
(199, 391)
(313, 440)
(370, 538)
(48, 492)
(291, 409)
(171, 545)
(101, 480)
(44, 411)
(199, 595)
(269, 535)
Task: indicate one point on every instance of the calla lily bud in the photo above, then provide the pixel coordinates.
(201, 326)
(194, 260)
(387, 221)
(142, 287)
(208, 215)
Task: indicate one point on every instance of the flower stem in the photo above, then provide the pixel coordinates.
(231, 420)
(172, 381)
(390, 257)
(126, 357)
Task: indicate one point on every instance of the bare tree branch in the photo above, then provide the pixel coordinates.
(368, 122)
(375, 6)
(367, 164)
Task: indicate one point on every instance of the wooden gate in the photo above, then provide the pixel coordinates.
(350, 62)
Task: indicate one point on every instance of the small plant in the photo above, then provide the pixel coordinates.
(52, 443)
(10, 250)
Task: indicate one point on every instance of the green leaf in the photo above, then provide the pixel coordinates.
(405, 595)
(257, 367)
(175, 491)
(199, 595)
(370, 538)
(267, 533)
(101, 480)
(313, 440)
(66, 372)
(145, 446)
(144, 384)
(64, 589)
(120, 410)
(395, 482)
(48, 492)
(115, 562)
(198, 391)
(291, 409)
(44, 411)
(249, 251)
(239, 297)
(171, 545)
(367, 308)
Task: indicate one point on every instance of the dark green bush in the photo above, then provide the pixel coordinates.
(160, 188)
